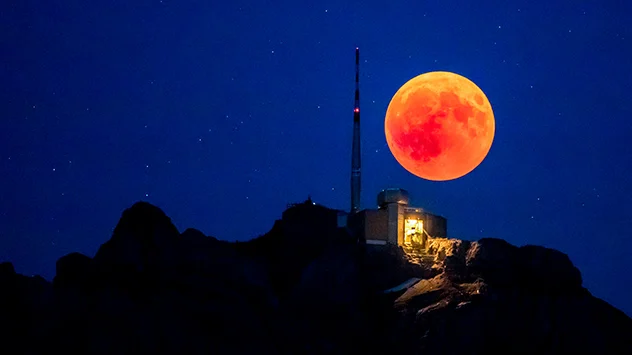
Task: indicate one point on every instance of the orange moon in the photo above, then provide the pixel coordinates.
(439, 126)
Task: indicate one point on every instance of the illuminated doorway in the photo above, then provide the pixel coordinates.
(413, 232)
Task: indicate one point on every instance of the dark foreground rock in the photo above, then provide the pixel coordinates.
(305, 287)
(506, 299)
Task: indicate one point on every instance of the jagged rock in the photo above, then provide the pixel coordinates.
(143, 242)
(305, 287)
(6, 269)
(513, 300)
(388, 266)
(147, 224)
(73, 270)
(449, 255)
(304, 233)
(25, 305)
(325, 305)
(442, 248)
(193, 235)
(492, 259)
(547, 268)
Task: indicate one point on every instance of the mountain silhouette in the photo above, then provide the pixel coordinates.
(305, 287)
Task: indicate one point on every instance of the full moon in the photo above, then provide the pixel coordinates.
(439, 126)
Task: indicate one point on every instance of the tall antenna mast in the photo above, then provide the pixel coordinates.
(355, 153)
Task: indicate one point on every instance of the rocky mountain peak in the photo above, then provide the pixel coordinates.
(305, 287)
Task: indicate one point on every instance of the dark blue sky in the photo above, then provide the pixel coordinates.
(221, 112)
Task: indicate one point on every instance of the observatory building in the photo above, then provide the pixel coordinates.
(394, 221)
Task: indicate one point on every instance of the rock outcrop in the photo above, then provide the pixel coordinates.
(493, 297)
(305, 287)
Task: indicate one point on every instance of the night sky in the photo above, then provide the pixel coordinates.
(222, 112)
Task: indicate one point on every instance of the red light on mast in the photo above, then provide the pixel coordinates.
(356, 109)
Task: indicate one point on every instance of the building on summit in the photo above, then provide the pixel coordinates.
(394, 221)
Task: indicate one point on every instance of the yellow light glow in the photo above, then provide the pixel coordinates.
(413, 229)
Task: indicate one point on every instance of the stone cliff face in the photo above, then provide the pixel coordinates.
(312, 290)
(495, 297)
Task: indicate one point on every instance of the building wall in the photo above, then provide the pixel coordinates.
(392, 211)
(400, 225)
(375, 225)
(355, 223)
(436, 226)
(388, 224)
